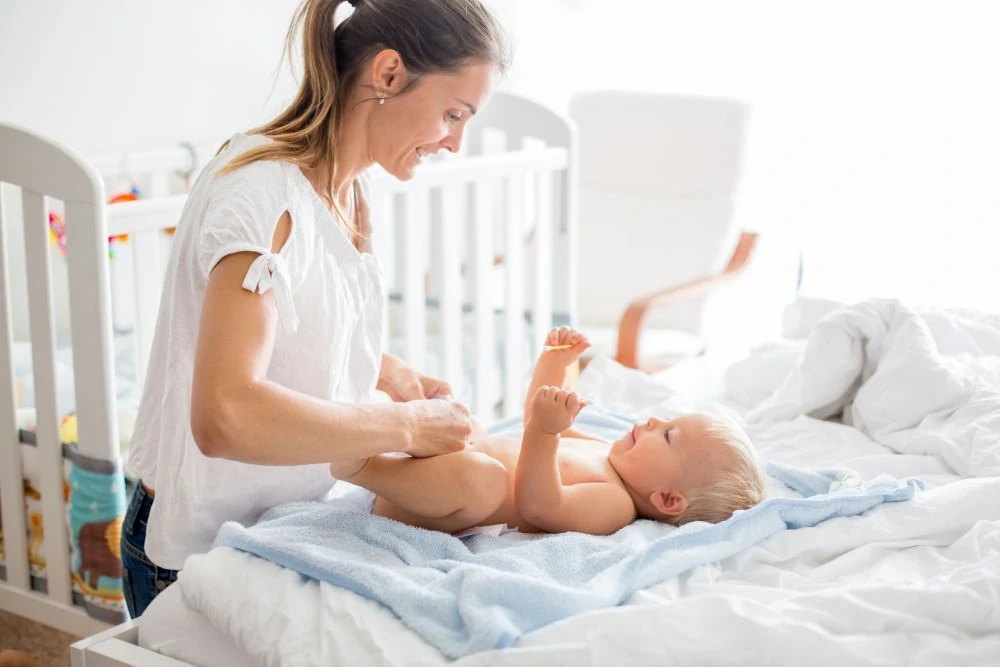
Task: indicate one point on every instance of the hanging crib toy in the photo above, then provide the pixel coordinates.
(57, 226)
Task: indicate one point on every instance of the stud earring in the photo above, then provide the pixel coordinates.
(381, 98)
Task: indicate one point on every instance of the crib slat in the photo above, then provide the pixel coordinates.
(11, 484)
(90, 315)
(122, 299)
(147, 282)
(43, 352)
(482, 275)
(544, 221)
(453, 208)
(416, 229)
(514, 305)
(565, 251)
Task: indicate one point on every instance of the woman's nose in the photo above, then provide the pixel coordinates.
(453, 142)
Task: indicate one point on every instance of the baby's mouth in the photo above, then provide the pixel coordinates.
(628, 440)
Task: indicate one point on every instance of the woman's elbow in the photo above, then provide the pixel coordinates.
(214, 428)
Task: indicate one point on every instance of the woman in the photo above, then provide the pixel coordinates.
(267, 347)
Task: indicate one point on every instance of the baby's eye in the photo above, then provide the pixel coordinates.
(666, 435)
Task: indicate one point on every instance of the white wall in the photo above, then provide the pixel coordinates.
(112, 76)
(874, 140)
(105, 76)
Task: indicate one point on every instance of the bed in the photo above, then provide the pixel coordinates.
(471, 248)
(914, 582)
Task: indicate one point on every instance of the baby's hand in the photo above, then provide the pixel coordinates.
(553, 409)
(564, 346)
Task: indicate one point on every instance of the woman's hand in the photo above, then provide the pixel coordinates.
(403, 384)
(437, 427)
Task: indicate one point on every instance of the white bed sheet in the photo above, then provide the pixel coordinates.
(911, 583)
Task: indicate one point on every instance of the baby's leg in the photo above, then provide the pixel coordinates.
(449, 493)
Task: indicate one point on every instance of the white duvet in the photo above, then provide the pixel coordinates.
(911, 583)
(917, 382)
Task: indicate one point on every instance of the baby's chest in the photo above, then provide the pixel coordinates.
(578, 465)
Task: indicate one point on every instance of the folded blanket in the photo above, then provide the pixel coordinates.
(484, 592)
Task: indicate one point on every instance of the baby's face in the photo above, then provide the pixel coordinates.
(678, 454)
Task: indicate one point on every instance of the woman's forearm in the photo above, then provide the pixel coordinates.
(267, 424)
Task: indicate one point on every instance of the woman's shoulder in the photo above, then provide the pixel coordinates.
(263, 173)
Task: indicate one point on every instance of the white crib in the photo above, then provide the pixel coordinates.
(478, 251)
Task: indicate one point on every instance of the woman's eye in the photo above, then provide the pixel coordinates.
(454, 117)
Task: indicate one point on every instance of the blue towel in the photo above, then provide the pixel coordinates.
(484, 592)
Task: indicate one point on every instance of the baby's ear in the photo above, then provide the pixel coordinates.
(669, 503)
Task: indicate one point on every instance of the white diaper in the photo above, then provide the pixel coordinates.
(353, 497)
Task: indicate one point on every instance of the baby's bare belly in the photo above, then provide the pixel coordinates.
(580, 461)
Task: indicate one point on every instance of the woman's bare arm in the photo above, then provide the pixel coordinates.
(238, 414)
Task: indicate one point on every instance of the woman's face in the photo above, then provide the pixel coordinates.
(430, 117)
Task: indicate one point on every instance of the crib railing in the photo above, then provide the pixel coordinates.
(45, 172)
(478, 255)
(478, 249)
(453, 243)
(443, 238)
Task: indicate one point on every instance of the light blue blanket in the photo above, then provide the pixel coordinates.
(484, 592)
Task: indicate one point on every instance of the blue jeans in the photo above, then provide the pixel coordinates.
(142, 580)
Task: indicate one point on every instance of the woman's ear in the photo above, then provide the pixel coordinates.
(388, 72)
(669, 503)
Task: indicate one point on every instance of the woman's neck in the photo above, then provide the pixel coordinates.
(353, 155)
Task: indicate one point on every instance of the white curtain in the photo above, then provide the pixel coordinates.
(875, 138)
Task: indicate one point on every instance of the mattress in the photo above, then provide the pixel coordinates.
(914, 583)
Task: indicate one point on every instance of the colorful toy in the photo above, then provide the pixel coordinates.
(57, 226)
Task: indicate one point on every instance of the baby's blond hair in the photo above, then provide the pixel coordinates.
(737, 486)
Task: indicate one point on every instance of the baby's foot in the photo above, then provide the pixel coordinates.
(346, 471)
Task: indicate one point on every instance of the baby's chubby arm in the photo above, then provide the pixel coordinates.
(597, 508)
(563, 346)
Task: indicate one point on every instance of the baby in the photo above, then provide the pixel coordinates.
(559, 479)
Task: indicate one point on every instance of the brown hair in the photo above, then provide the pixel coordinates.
(431, 36)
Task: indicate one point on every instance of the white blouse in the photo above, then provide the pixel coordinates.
(329, 298)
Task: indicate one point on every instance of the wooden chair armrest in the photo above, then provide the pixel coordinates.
(630, 325)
